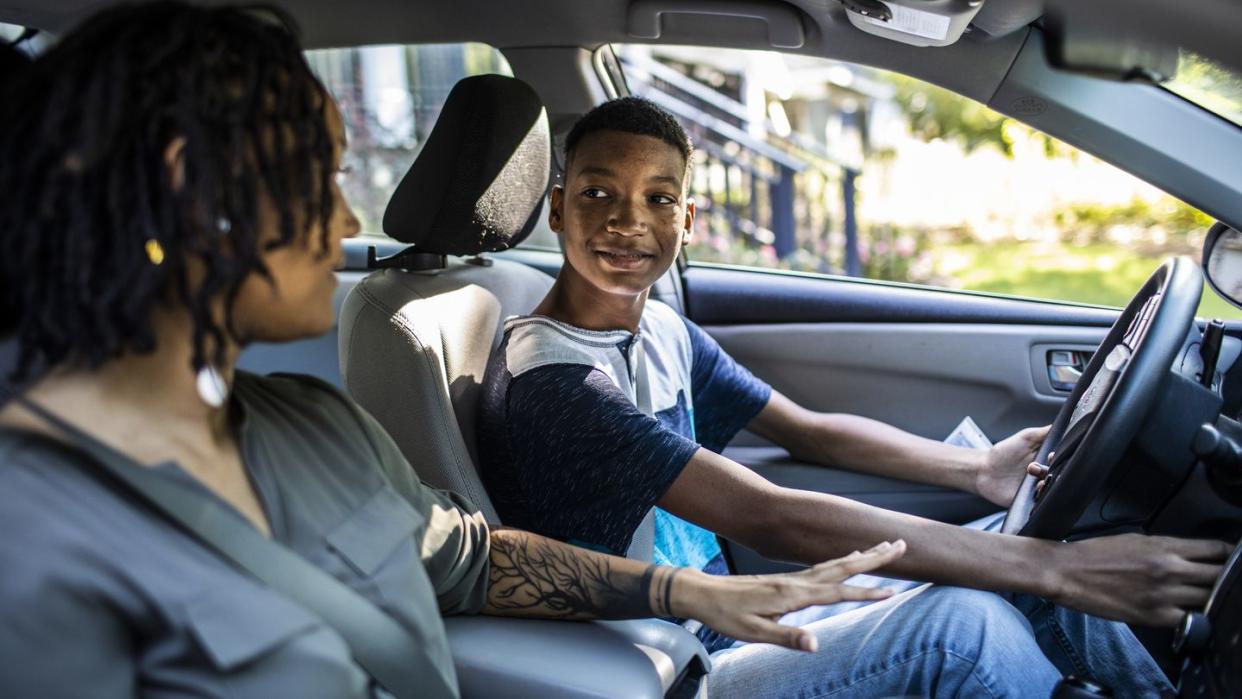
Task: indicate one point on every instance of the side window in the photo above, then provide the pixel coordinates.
(813, 165)
(10, 32)
(390, 98)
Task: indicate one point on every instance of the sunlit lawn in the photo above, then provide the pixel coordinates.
(1098, 274)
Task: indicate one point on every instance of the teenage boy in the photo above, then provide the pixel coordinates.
(603, 404)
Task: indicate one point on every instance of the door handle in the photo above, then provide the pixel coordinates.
(1065, 367)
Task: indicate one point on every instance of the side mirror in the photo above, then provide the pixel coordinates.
(1222, 262)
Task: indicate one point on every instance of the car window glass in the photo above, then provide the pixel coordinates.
(1209, 85)
(10, 32)
(814, 165)
(28, 41)
(390, 98)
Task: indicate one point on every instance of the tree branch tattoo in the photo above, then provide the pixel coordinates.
(534, 576)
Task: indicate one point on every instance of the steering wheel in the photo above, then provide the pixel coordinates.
(1109, 403)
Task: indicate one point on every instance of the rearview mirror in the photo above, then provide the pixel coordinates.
(1100, 52)
(1222, 262)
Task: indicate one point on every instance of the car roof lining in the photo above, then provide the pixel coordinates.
(590, 24)
(565, 23)
(976, 66)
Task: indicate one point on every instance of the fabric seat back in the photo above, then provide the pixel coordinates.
(414, 343)
(414, 347)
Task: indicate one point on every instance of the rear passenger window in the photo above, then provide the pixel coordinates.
(390, 98)
(10, 32)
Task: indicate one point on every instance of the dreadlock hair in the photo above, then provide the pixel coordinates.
(12, 61)
(633, 115)
(97, 231)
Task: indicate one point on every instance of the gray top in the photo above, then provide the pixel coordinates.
(101, 597)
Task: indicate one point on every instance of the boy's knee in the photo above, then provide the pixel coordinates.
(987, 640)
(973, 622)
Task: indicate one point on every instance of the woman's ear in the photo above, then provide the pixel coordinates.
(174, 160)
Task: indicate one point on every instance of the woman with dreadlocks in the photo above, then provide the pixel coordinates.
(170, 195)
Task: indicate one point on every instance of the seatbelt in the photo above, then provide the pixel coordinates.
(642, 545)
(642, 384)
(386, 650)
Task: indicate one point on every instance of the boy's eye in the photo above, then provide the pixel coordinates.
(663, 199)
(594, 193)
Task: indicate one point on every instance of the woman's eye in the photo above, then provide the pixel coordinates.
(343, 172)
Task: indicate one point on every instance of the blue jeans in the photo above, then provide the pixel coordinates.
(939, 641)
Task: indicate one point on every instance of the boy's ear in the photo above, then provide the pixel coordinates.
(556, 203)
(688, 225)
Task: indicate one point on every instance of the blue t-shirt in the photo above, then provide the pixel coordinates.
(566, 452)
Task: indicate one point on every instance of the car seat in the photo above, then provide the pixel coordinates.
(415, 339)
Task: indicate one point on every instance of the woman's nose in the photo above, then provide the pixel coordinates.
(351, 226)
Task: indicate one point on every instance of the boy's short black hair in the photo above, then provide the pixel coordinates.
(633, 115)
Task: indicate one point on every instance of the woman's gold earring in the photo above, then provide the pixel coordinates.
(155, 251)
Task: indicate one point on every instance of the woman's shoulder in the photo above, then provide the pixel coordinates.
(294, 399)
(294, 388)
(307, 415)
(64, 527)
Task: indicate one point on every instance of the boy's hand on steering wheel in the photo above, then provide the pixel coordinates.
(1004, 465)
(1144, 580)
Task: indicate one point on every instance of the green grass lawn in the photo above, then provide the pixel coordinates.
(1100, 274)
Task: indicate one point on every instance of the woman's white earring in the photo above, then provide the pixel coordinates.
(211, 386)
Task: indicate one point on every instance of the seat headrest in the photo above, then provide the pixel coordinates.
(479, 183)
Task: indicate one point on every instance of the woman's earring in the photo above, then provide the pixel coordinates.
(211, 386)
(155, 252)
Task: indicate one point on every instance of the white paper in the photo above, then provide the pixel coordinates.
(928, 25)
(967, 434)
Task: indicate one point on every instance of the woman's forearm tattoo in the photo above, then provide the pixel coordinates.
(534, 576)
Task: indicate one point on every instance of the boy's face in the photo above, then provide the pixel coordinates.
(622, 214)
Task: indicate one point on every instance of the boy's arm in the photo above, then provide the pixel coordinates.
(1139, 579)
(863, 444)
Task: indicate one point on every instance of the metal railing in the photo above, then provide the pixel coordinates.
(786, 191)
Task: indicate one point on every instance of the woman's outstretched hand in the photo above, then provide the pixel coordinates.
(749, 607)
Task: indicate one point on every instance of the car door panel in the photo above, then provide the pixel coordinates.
(920, 359)
(921, 377)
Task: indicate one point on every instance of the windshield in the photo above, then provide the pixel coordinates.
(1209, 85)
